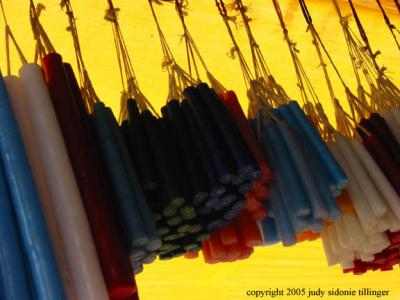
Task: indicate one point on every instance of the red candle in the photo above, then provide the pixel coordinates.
(90, 176)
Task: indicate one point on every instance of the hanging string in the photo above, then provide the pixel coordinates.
(178, 78)
(397, 3)
(258, 101)
(192, 50)
(43, 43)
(393, 29)
(304, 83)
(386, 90)
(264, 78)
(88, 93)
(130, 86)
(8, 35)
(343, 122)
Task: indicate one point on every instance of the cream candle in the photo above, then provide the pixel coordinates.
(379, 178)
(362, 208)
(18, 101)
(372, 195)
(77, 240)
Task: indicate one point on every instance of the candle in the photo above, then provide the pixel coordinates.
(388, 115)
(79, 247)
(14, 277)
(46, 278)
(334, 168)
(244, 162)
(236, 112)
(220, 156)
(139, 198)
(18, 99)
(286, 173)
(372, 195)
(319, 209)
(136, 235)
(96, 191)
(361, 206)
(382, 183)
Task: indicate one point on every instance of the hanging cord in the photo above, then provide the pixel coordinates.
(8, 35)
(314, 108)
(263, 76)
(178, 78)
(256, 93)
(43, 44)
(88, 93)
(345, 122)
(393, 29)
(192, 51)
(386, 91)
(362, 65)
(130, 86)
(397, 3)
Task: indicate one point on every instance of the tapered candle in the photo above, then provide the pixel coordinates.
(14, 279)
(42, 263)
(135, 232)
(18, 99)
(361, 176)
(361, 206)
(96, 192)
(221, 157)
(382, 183)
(80, 250)
(388, 115)
(334, 168)
(139, 198)
(307, 177)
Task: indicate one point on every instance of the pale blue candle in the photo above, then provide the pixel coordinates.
(35, 237)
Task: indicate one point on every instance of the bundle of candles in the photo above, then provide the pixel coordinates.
(194, 167)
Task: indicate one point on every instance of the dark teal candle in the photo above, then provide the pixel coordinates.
(13, 275)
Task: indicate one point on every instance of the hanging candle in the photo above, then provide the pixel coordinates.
(79, 247)
(18, 99)
(14, 275)
(42, 263)
(96, 192)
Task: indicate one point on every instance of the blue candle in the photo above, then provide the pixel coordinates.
(131, 219)
(13, 276)
(35, 237)
(334, 168)
(269, 233)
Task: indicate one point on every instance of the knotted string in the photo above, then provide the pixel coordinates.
(393, 29)
(264, 77)
(89, 95)
(130, 86)
(179, 79)
(307, 91)
(192, 51)
(43, 43)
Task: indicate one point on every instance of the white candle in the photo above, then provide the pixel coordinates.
(372, 195)
(353, 227)
(343, 235)
(331, 257)
(79, 248)
(18, 100)
(388, 115)
(385, 188)
(362, 208)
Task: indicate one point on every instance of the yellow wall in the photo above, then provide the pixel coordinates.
(300, 266)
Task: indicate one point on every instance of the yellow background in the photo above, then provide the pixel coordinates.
(271, 267)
